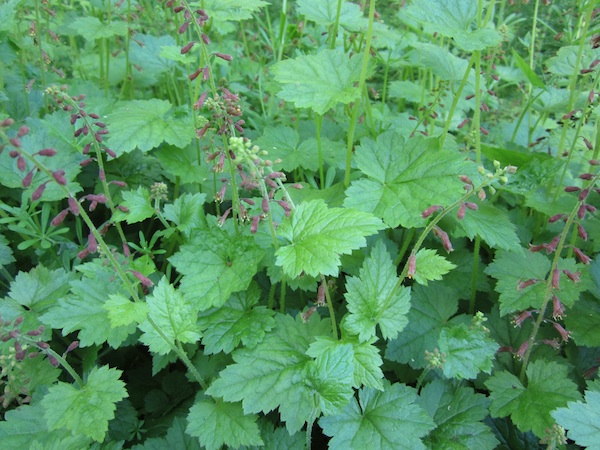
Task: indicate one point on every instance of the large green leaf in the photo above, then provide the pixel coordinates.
(218, 423)
(548, 387)
(275, 373)
(216, 263)
(145, 124)
(404, 177)
(316, 236)
(91, 28)
(388, 420)
(87, 409)
(430, 266)
(319, 81)
(324, 12)
(234, 10)
(173, 315)
(367, 297)
(582, 419)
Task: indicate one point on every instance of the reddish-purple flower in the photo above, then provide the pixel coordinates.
(558, 309)
(564, 334)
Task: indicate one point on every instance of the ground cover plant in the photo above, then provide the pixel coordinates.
(294, 224)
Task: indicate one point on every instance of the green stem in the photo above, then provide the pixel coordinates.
(456, 99)
(330, 308)
(336, 24)
(474, 274)
(361, 84)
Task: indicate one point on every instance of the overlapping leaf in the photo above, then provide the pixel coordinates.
(405, 177)
(373, 298)
(319, 81)
(430, 266)
(317, 236)
(582, 419)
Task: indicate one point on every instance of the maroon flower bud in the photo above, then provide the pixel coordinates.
(574, 277)
(21, 164)
(522, 350)
(7, 122)
(14, 153)
(47, 152)
(249, 201)
(219, 196)
(205, 39)
(200, 103)
(265, 205)
(412, 266)
(581, 212)
(472, 206)
(285, 205)
(558, 309)
(59, 176)
(484, 131)
(92, 244)
(102, 175)
(143, 279)
(586, 176)
(437, 231)
(536, 248)
(110, 153)
(123, 208)
(254, 225)
(126, 250)
(552, 343)
(83, 253)
(26, 182)
(183, 27)
(100, 198)
(18, 320)
(187, 48)
(462, 124)
(581, 232)
(552, 245)
(564, 334)
(60, 217)
(321, 300)
(38, 192)
(86, 148)
(556, 279)
(583, 194)
(224, 56)
(594, 162)
(525, 284)
(305, 316)
(43, 345)
(22, 131)
(53, 361)
(572, 189)
(178, 9)
(72, 346)
(429, 211)
(518, 320)
(481, 195)
(34, 333)
(461, 211)
(73, 206)
(206, 73)
(582, 257)
(93, 206)
(588, 144)
(590, 208)
(15, 142)
(297, 186)
(194, 75)
(223, 218)
(465, 179)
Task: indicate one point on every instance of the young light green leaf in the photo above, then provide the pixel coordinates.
(186, 212)
(512, 268)
(490, 224)
(319, 81)
(272, 374)
(548, 388)
(145, 124)
(85, 410)
(173, 314)
(430, 266)
(238, 320)
(318, 235)
(582, 419)
(123, 312)
(431, 308)
(458, 413)
(468, 351)
(216, 263)
(84, 310)
(138, 204)
(388, 420)
(373, 300)
(216, 423)
(527, 71)
(406, 177)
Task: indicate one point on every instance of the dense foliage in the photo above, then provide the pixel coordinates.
(326, 223)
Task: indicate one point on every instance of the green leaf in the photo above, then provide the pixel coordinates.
(373, 298)
(186, 212)
(468, 351)
(367, 363)
(431, 308)
(273, 374)
(91, 28)
(40, 288)
(218, 423)
(85, 410)
(442, 63)
(173, 315)
(26, 424)
(582, 419)
(84, 310)
(234, 10)
(583, 322)
(527, 71)
(324, 12)
(6, 255)
(490, 224)
(145, 124)
(565, 61)
(318, 235)
(8, 11)
(548, 388)
(238, 320)
(215, 264)
(430, 266)
(406, 177)
(182, 162)
(388, 420)
(319, 81)
(512, 268)
(175, 438)
(122, 311)
(138, 204)
(458, 413)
